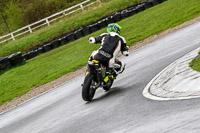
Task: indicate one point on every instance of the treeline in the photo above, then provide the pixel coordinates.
(18, 13)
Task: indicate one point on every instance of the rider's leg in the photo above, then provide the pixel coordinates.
(111, 67)
(93, 55)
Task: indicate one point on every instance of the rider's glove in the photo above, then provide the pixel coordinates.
(125, 53)
(92, 40)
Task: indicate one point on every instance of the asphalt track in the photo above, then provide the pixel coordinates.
(121, 110)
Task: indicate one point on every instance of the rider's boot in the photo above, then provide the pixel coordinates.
(122, 67)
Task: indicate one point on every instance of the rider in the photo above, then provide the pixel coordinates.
(111, 44)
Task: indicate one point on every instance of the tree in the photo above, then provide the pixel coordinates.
(14, 15)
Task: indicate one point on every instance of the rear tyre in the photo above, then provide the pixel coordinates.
(87, 90)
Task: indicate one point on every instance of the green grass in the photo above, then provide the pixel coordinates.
(68, 24)
(195, 64)
(49, 66)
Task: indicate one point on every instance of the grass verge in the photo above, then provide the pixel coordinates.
(195, 64)
(49, 66)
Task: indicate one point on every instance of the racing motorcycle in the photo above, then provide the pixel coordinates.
(96, 76)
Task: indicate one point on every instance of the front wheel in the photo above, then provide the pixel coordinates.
(87, 90)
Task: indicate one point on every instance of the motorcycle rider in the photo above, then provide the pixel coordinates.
(111, 44)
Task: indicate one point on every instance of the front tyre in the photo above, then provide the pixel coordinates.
(87, 90)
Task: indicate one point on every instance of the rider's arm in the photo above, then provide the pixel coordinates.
(124, 47)
(97, 39)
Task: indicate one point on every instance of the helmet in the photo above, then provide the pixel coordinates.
(114, 27)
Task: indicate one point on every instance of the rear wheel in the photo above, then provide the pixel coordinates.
(87, 90)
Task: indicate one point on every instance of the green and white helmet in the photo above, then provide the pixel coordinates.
(114, 27)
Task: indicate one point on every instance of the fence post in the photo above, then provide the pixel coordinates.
(29, 28)
(64, 13)
(12, 36)
(81, 6)
(47, 22)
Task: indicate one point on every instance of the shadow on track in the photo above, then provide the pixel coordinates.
(113, 92)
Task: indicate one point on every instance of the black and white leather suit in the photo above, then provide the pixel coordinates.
(111, 45)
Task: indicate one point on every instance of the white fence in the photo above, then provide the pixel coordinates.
(46, 21)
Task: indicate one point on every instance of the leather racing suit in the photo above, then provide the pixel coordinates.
(111, 45)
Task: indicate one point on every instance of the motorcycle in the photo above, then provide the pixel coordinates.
(97, 76)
